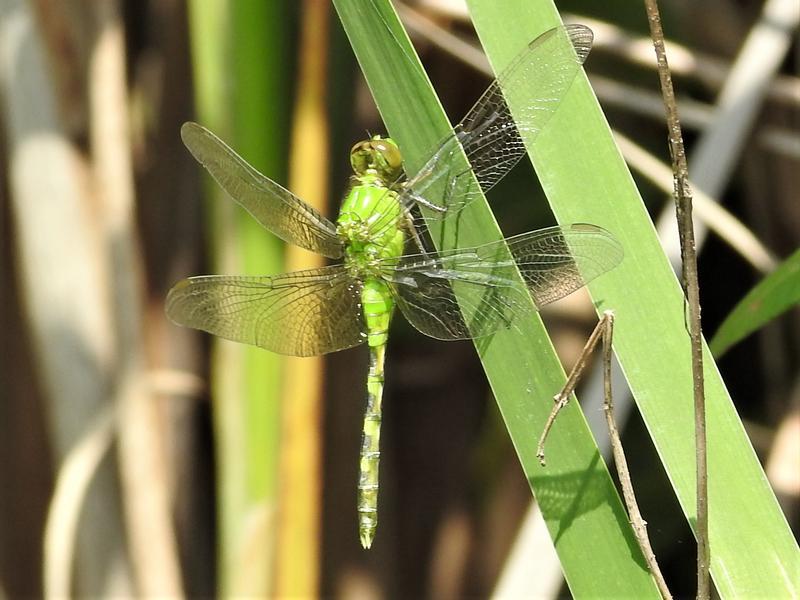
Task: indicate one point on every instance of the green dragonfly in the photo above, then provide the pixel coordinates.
(465, 293)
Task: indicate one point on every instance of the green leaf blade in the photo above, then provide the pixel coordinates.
(772, 296)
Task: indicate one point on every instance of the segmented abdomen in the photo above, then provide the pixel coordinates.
(377, 305)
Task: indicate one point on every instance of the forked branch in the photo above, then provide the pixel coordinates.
(604, 331)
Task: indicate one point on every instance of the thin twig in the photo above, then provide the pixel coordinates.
(604, 331)
(683, 199)
(562, 398)
(637, 522)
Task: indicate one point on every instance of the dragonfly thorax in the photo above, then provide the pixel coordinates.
(352, 229)
(377, 159)
(363, 261)
(369, 227)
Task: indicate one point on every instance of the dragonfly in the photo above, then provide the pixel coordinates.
(382, 265)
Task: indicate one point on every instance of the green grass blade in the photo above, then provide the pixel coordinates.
(775, 294)
(239, 59)
(576, 493)
(753, 551)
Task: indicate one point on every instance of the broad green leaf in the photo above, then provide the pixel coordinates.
(754, 553)
(775, 294)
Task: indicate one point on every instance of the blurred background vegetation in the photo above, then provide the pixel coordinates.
(139, 458)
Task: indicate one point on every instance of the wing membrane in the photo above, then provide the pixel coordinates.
(304, 313)
(557, 261)
(490, 136)
(473, 292)
(275, 207)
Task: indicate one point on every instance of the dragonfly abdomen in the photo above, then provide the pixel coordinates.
(378, 305)
(370, 450)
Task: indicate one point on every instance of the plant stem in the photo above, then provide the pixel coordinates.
(604, 331)
(683, 203)
(562, 398)
(606, 326)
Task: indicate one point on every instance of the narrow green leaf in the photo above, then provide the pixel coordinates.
(775, 294)
(575, 491)
(754, 553)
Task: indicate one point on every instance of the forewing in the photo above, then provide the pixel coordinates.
(535, 82)
(304, 313)
(473, 292)
(275, 207)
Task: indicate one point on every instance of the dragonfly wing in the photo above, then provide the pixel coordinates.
(557, 261)
(305, 313)
(535, 82)
(474, 292)
(275, 207)
(463, 294)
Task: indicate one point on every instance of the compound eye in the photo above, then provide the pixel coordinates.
(361, 157)
(391, 155)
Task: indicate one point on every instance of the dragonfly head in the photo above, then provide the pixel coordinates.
(377, 156)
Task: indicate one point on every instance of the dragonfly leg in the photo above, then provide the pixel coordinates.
(413, 231)
(422, 201)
